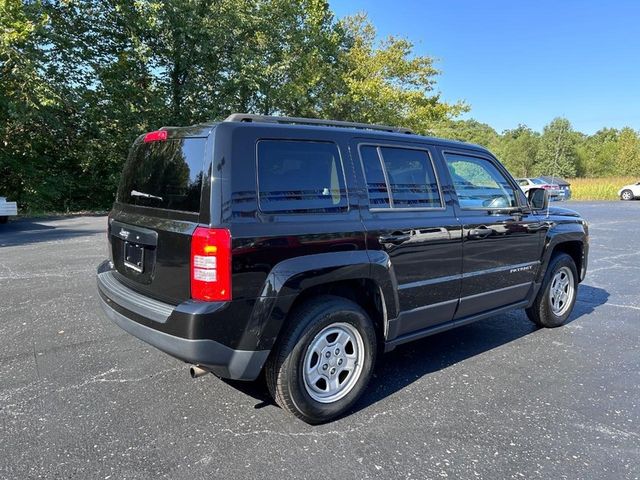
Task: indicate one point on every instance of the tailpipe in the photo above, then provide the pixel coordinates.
(195, 371)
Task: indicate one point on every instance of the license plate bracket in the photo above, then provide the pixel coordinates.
(134, 256)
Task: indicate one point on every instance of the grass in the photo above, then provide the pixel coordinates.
(40, 214)
(598, 188)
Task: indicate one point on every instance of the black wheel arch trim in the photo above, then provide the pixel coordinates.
(291, 277)
(563, 233)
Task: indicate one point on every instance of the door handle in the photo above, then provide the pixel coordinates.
(394, 239)
(536, 227)
(478, 233)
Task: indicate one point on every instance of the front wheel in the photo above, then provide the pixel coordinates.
(324, 359)
(626, 195)
(557, 296)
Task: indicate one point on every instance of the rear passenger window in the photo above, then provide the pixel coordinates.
(300, 177)
(400, 178)
(376, 183)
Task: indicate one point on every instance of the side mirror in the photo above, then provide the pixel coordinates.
(538, 198)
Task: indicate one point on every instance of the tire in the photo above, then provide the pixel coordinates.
(626, 195)
(551, 308)
(326, 327)
(4, 219)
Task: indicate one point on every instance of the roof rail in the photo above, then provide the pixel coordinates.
(248, 117)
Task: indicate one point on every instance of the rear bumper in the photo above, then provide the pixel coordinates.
(556, 195)
(144, 318)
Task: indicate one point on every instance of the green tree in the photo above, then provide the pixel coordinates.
(386, 83)
(557, 154)
(81, 79)
(470, 131)
(287, 62)
(519, 150)
(628, 152)
(32, 110)
(598, 153)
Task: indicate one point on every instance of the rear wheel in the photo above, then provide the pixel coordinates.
(557, 296)
(324, 359)
(4, 219)
(626, 195)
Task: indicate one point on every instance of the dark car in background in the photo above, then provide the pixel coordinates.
(565, 187)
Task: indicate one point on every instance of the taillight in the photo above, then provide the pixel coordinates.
(211, 264)
(157, 136)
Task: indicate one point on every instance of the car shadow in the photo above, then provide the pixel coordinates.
(588, 299)
(28, 231)
(412, 361)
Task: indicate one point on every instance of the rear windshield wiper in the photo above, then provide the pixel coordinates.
(135, 193)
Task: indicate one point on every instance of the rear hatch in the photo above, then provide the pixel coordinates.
(157, 208)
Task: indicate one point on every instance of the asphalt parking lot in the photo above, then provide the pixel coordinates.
(79, 398)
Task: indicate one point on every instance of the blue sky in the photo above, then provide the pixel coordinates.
(525, 61)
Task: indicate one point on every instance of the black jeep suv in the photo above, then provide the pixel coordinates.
(304, 248)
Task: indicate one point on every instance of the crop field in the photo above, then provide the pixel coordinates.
(598, 188)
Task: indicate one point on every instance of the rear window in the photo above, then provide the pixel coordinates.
(300, 177)
(164, 175)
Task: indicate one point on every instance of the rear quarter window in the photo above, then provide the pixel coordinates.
(300, 177)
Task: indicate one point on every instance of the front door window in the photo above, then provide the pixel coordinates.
(479, 184)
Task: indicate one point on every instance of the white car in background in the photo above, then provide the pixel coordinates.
(555, 192)
(629, 192)
(7, 209)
